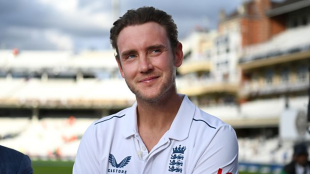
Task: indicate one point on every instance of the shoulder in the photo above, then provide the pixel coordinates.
(206, 119)
(111, 119)
(213, 129)
(215, 142)
(25, 166)
(200, 118)
(106, 124)
(12, 160)
(98, 139)
(289, 168)
(9, 153)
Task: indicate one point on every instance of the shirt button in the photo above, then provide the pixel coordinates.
(143, 148)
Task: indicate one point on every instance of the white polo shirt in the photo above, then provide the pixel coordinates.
(195, 143)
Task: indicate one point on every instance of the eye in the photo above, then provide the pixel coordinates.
(130, 56)
(156, 50)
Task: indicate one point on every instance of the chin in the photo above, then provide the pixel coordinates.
(151, 95)
(149, 98)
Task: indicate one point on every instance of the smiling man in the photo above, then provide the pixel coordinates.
(163, 132)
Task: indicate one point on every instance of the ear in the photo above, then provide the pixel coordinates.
(119, 65)
(178, 55)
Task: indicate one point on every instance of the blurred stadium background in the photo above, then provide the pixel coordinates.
(252, 72)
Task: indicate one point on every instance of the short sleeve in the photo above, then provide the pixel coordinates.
(221, 155)
(86, 160)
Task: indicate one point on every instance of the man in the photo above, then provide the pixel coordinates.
(163, 132)
(300, 163)
(12, 161)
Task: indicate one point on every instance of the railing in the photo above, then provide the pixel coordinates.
(196, 81)
(256, 89)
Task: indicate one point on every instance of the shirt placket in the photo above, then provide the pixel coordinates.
(145, 157)
(142, 152)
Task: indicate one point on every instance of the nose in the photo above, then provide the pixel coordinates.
(145, 64)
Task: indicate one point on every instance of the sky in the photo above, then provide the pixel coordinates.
(85, 24)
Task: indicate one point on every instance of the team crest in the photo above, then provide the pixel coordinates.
(122, 164)
(176, 159)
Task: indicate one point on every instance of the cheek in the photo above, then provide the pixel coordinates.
(163, 62)
(129, 71)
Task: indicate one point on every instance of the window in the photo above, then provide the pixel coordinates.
(255, 77)
(302, 73)
(269, 76)
(226, 39)
(255, 80)
(227, 50)
(2, 74)
(304, 21)
(285, 75)
(293, 22)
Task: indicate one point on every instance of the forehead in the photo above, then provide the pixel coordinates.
(138, 36)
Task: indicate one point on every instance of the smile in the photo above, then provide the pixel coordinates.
(148, 79)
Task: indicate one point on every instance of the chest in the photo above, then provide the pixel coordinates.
(132, 157)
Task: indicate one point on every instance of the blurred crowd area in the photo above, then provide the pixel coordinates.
(58, 138)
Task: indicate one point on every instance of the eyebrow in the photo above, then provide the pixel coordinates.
(157, 46)
(125, 53)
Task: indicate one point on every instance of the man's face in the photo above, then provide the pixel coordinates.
(147, 62)
(301, 159)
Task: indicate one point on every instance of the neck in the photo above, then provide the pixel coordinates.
(155, 119)
(159, 114)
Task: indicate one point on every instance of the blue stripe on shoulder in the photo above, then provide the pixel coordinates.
(204, 122)
(110, 118)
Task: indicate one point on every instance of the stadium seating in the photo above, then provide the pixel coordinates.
(48, 138)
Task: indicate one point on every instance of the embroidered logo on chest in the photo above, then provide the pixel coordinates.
(176, 159)
(122, 164)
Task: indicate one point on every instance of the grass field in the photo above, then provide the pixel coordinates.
(62, 167)
(52, 167)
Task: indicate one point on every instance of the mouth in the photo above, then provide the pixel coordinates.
(148, 79)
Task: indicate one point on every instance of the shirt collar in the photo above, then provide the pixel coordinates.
(130, 126)
(301, 169)
(179, 129)
(181, 124)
